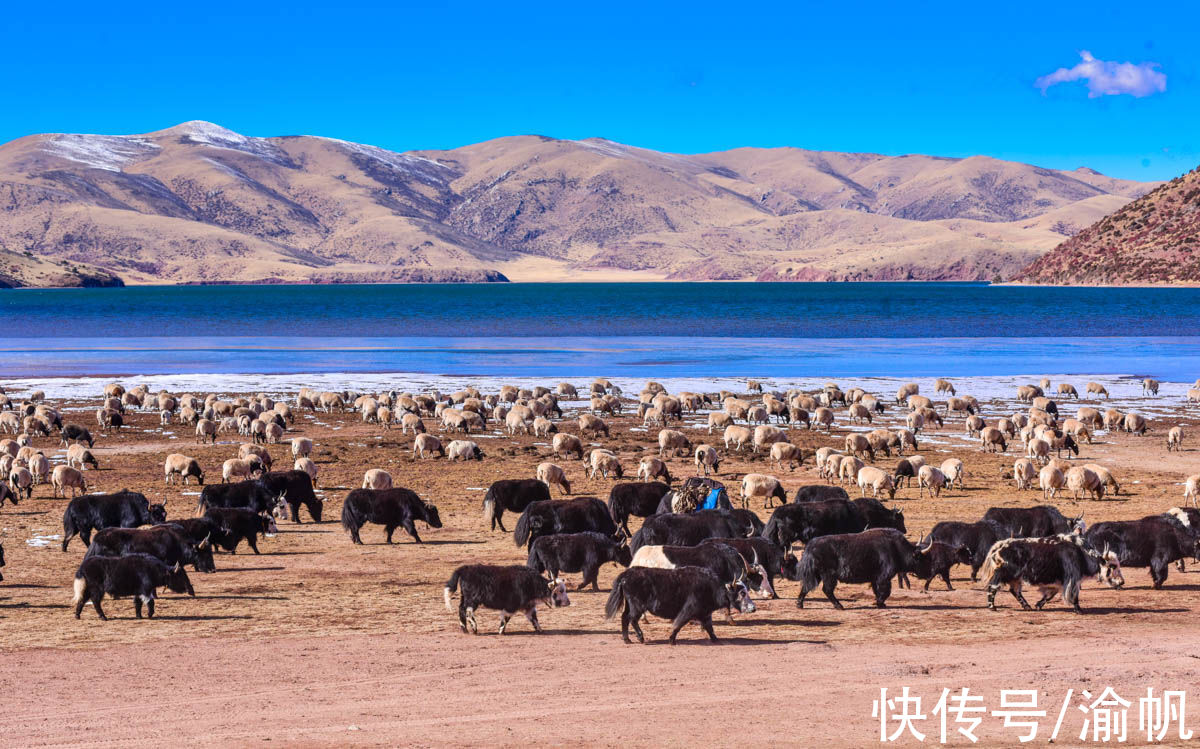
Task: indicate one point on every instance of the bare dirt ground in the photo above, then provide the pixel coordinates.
(318, 641)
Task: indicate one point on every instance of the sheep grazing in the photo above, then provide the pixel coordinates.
(915, 421)
(858, 444)
(410, 422)
(308, 466)
(1193, 395)
(206, 429)
(1026, 393)
(918, 403)
(1050, 480)
(930, 479)
(652, 468)
(943, 386)
(464, 450)
(1024, 473)
(180, 465)
(1078, 430)
(859, 414)
(377, 479)
(955, 473)
(302, 447)
(1175, 439)
(992, 439)
(719, 420)
(65, 478)
(823, 417)
(1136, 424)
(1114, 420)
(1080, 479)
(974, 425)
(766, 435)
(1150, 386)
(786, 452)
(566, 389)
(1038, 451)
(543, 427)
(1066, 389)
(425, 445)
(39, 466)
(565, 445)
(905, 391)
(79, 456)
(831, 466)
(673, 443)
(1095, 388)
(877, 481)
(240, 468)
(604, 463)
(1191, 489)
(1105, 476)
(553, 475)
(762, 485)
(848, 468)
(592, 426)
(737, 437)
(519, 420)
(20, 480)
(707, 459)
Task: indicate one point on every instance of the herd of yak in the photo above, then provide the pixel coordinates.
(688, 560)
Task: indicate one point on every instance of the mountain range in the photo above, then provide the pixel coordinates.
(1155, 240)
(198, 203)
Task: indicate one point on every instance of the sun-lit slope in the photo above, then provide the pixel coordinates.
(200, 203)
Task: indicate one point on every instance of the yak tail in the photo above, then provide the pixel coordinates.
(80, 588)
(350, 520)
(993, 560)
(809, 575)
(489, 508)
(450, 589)
(521, 532)
(616, 597)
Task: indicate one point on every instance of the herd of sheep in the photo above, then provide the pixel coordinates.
(753, 421)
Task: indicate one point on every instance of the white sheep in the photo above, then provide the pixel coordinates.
(64, 478)
(762, 485)
(377, 478)
(782, 452)
(931, 480)
(426, 444)
(652, 468)
(1175, 438)
(877, 481)
(673, 442)
(1050, 480)
(308, 466)
(178, 464)
(1024, 473)
(464, 450)
(706, 458)
(553, 475)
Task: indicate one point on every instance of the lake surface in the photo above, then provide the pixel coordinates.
(668, 330)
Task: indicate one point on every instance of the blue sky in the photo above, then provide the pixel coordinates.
(939, 78)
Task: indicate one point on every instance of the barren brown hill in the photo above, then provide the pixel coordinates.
(1153, 240)
(198, 203)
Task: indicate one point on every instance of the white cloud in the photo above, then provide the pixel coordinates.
(1109, 78)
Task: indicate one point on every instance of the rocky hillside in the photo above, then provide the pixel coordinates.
(198, 203)
(1153, 240)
